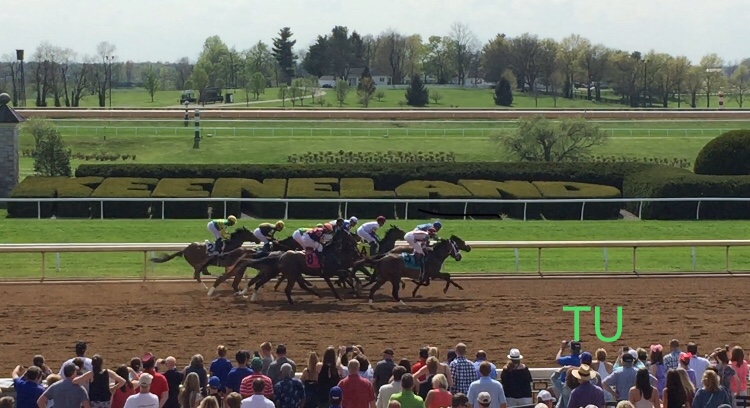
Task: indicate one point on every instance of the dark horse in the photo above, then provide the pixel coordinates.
(195, 253)
(391, 266)
(387, 244)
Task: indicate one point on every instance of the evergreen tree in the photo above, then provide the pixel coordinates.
(503, 93)
(416, 93)
(282, 51)
(51, 156)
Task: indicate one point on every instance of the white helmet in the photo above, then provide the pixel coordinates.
(353, 220)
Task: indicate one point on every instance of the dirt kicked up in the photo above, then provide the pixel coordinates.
(124, 320)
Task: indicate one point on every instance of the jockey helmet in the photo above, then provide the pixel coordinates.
(353, 220)
(232, 219)
(431, 231)
(437, 225)
(328, 227)
(380, 220)
(279, 225)
(319, 226)
(340, 221)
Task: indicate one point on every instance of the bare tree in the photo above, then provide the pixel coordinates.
(10, 66)
(464, 44)
(182, 72)
(711, 65)
(98, 79)
(526, 59)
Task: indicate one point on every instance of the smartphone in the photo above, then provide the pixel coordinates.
(349, 349)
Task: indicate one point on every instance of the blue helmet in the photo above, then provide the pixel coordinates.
(437, 225)
(353, 220)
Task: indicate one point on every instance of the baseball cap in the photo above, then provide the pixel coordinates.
(145, 379)
(214, 382)
(628, 358)
(575, 346)
(388, 351)
(335, 393)
(147, 357)
(586, 358)
(484, 398)
(545, 396)
(256, 363)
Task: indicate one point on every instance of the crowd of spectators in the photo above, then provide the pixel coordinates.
(347, 378)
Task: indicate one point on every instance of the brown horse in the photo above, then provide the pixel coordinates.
(195, 253)
(391, 267)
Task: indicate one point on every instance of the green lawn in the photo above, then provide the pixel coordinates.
(479, 260)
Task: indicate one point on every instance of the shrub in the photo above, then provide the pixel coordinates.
(725, 155)
(53, 187)
(246, 188)
(126, 187)
(51, 156)
(186, 188)
(503, 93)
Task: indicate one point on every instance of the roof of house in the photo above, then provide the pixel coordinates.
(327, 78)
(375, 72)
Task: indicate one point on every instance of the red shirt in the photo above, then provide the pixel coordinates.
(159, 384)
(246, 386)
(357, 392)
(421, 363)
(119, 397)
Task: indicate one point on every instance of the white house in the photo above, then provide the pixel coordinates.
(355, 77)
(329, 80)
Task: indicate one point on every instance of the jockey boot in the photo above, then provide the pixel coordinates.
(373, 248)
(218, 247)
(267, 247)
(419, 258)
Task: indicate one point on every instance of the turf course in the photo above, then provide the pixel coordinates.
(99, 265)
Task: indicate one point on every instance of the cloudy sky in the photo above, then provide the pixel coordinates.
(152, 30)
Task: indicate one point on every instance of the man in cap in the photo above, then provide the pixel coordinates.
(289, 391)
(383, 370)
(65, 394)
(247, 388)
(334, 397)
(622, 378)
(486, 385)
(586, 393)
(215, 389)
(484, 400)
(573, 360)
(546, 398)
(159, 386)
(144, 399)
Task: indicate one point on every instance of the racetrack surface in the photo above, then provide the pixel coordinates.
(123, 320)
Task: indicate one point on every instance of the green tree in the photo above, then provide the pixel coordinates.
(740, 81)
(257, 84)
(342, 91)
(416, 94)
(51, 157)
(713, 75)
(199, 79)
(151, 81)
(542, 140)
(283, 93)
(366, 91)
(283, 51)
(436, 96)
(503, 93)
(215, 60)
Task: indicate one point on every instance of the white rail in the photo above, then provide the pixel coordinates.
(405, 201)
(147, 248)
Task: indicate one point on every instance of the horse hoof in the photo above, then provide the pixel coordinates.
(211, 291)
(204, 286)
(238, 293)
(254, 297)
(370, 301)
(401, 302)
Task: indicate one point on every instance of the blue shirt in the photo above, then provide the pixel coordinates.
(706, 399)
(571, 360)
(585, 394)
(27, 392)
(221, 368)
(425, 227)
(487, 384)
(622, 379)
(493, 369)
(289, 392)
(235, 376)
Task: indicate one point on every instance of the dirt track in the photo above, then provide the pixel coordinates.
(124, 320)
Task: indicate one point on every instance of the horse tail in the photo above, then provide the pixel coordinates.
(166, 258)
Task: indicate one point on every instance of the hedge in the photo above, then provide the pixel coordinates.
(728, 155)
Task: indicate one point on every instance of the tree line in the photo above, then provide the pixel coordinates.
(531, 64)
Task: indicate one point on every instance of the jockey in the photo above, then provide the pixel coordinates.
(367, 233)
(315, 238)
(218, 228)
(344, 225)
(265, 232)
(425, 227)
(419, 240)
(298, 234)
(352, 223)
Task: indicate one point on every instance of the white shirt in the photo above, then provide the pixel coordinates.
(699, 365)
(255, 401)
(419, 236)
(386, 392)
(86, 365)
(147, 400)
(370, 227)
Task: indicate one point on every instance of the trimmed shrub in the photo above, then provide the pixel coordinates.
(725, 155)
(53, 187)
(365, 188)
(127, 187)
(428, 189)
(186, 188)
(323, 187)
(246, 188)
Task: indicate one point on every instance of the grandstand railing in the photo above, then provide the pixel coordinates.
(405, 201)
(146, 248)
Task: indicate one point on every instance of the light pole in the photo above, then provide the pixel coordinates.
(21, 97)
(645, 80)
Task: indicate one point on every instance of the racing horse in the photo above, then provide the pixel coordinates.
(195, 253)
(392, 267)
(387, 244)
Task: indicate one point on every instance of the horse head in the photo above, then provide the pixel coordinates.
(460, 243)
(242, 234)
(394, 233)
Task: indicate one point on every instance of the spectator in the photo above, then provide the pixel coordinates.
(174, 379)
(657, 368)
(482, 356)
(365, 371)
(257, 400)
(622, 379)
(485, 400)
(516, 380)
(439, 368)
(28, 386)
(485, 384)
(623, 404)
(404, 362)
(642, 360)
(80, 353)
(426, 385)
(586, 393)
(643, 394)
(439, 396)
(388, 390)
(239, 373)
(394, 404)
(158, 384)
(462, 371)
(214, 389)
(618, 364)
(406, 397)
(190, 395)
(98, 380)
(7, 402)
(120, 395)
(686, 384)
(39, 361)
(275, 367)
(329, 376)
(564, 389)
(460, 401)
(674, 394)
(289, 391)
(247, 388)
(334, 396)
(310, 379)
(544, 397)
(209, 402)
(712, 394)
(266, 355)
(233, 400)
(357, 392)
(685, 365)
(697, 363)
(383, 369)
(221, 366)
(145, 398)
(197, 366)
(573, 360)
(64, 393)
(740, 367)
(424, 353)
(672, 360)
(136, 368)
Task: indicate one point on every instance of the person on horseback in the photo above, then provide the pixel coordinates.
(367, 233)
(299, 233)
(315, 238)
(265, 232)
(419, 240)
(344, 225)
(218, 228)
(425, 227)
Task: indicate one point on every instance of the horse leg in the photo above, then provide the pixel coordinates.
(330, 285)
(288, 290)
(303, 283)
(378, 284)
(221, 279)
(394, 292)
(414, 293)
(278, 282)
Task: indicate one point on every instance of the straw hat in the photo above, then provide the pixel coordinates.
(584, 373)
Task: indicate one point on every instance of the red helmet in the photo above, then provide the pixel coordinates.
(328, 227)
(380, 220)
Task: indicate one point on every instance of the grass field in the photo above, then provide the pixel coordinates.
(479, 260)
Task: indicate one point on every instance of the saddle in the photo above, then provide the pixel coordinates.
(312, 259)
(410, 261)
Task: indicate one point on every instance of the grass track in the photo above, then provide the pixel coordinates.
(480, 260)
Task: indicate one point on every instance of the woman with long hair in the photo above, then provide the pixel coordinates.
(329, 375)
(674, 394)
(571, 383)
(197, 366)
(439, 396)
(365, 369)
(310, 380)
(643, 395)
(712, 394)
(687, 384)
(209, 402)
(516, 380)
(190, 394)
(740, 367)
(724, 369)
(97, 380)
(121, 394)
(442, 368)
(657, 367)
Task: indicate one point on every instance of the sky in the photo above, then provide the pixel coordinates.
(165, 30)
